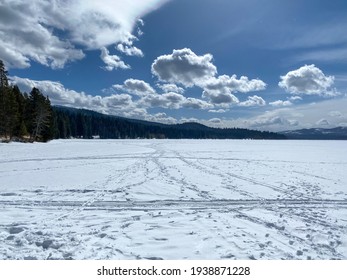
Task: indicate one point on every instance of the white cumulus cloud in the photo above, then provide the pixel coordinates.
(122, 104)
(170, 88)
(118, 100)
(233, 84)
(221, 90)
(253, 101)
(55, 32)
(215, 120)
(221, 98)
(219, 111)
(119, 104)
(184, 67)
(281, 103)
(308, 80)
(323, 122)
(25, 37)
(137, 87)
(295, 98)
(129, 50)
(335, 114)
(167, 100)
(194, 103)
(112, 61)
(161, 117)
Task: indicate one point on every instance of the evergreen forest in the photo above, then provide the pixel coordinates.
(25, 117)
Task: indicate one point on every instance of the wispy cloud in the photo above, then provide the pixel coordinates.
(332, 55)
(55, 32)
(312, 36)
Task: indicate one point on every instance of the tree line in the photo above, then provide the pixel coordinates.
(81, 123)
(25, 117)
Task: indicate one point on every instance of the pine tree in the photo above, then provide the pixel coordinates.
(8, 106)
(12, 114)
(49, 128)
(41, 115)
(20, 129)
(3, 89)
(3, 75)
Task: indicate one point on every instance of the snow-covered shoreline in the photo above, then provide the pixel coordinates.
(173, 199)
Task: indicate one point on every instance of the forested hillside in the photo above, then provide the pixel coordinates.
(79, 123)
(336, 133)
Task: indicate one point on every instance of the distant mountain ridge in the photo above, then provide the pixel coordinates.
(81, 123)
(337, 133)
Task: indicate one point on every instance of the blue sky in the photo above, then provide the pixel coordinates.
(269, 65)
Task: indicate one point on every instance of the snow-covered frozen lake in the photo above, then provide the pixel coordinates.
(173, 199)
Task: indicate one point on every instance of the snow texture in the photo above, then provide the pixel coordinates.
(173, 199)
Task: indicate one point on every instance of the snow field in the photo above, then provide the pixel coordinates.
(173, 199)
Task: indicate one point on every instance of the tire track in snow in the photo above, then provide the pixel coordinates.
(207, 169)
(165, 173)
(227, 175)
(101, 189)
(316, 228)
(182, 204)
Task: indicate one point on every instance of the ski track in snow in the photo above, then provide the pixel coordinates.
(166, 199)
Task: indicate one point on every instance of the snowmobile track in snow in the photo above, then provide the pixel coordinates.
(179, 204)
